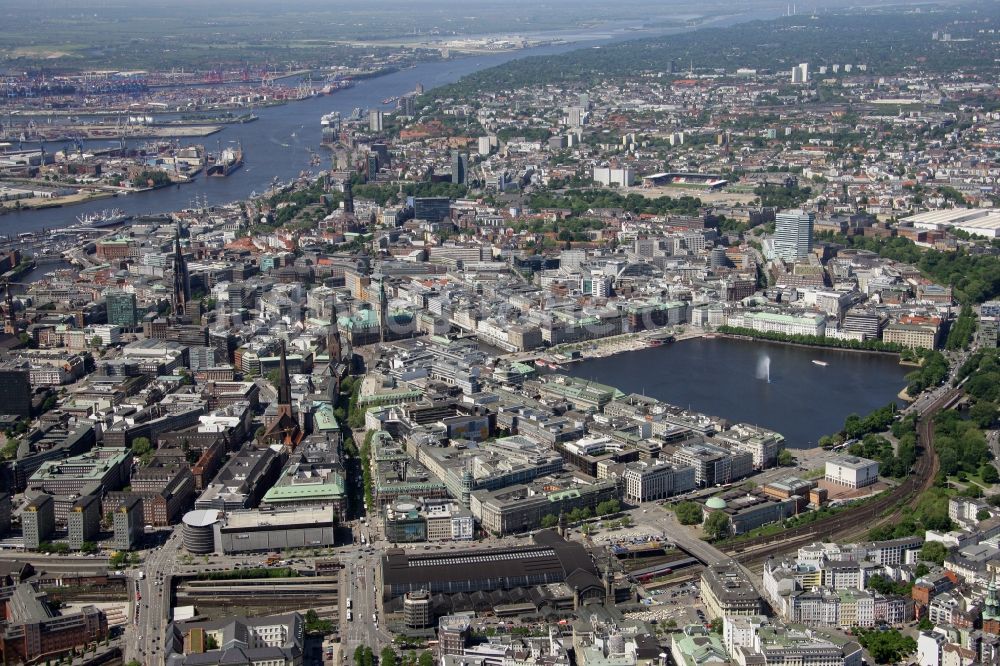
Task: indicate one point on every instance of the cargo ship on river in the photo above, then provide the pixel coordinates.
(228, 161)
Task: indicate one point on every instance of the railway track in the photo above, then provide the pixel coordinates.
(883, 510)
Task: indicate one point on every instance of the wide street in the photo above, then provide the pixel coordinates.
(365, 628)
(151, 606)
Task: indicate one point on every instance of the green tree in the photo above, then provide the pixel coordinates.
(549, 520)
(387, 657)
(962, 330)
(88, 547)
(426, 659)
(608, 507)
(9, 450)
(688, 513)
(886, 647)
(717, 526)
(934, 551)
(984, 414)
(141, 446)
(785, 458)
(314, 625)
(988, 473)
(983, 514)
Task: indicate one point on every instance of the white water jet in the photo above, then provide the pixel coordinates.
(764, 368)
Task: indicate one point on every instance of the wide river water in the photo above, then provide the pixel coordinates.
(278, 144)
(729, 378)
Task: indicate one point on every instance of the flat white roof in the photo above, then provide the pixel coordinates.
(966, 218)
(852, 462)
(201, 517)
(236, 520)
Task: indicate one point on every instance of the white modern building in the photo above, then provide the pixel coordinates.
(852, 471)
(607, 176)
(793, 234)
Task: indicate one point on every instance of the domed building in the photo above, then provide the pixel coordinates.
(715, 504)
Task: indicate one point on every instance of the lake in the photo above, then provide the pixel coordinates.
(728, 378)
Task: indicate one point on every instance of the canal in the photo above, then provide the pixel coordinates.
(764, 383)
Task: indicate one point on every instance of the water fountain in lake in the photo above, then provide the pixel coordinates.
(764, 368)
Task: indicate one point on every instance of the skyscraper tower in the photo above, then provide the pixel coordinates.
(348, 197)
(459, 166)
(793, 234)
(182, 280)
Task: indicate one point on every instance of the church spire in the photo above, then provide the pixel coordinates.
(284, 384)
(333, 344)
(383, 310)
(182, 282)
(991, 606)
(10, 320)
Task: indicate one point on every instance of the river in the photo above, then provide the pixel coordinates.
(278, 144)
(727, 378)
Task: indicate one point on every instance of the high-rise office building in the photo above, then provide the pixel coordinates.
(122, 310)
(84, 520)
(5, 509)
(371, 167)
(793, 234)
(15, 388)
(459, 166)
(800, 73)
(375, 120)
(38, 521)
(384, 158)
(432, 209)
(407, 104)
(128, 523)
